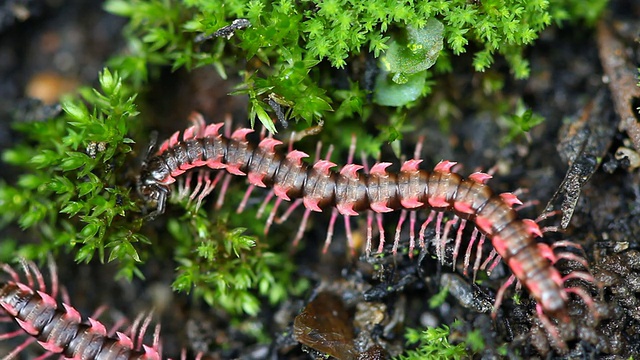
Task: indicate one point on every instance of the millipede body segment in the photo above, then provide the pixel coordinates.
(349, 191)
(62, 330)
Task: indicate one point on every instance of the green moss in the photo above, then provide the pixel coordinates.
(432, 343)
(291, 39)
(71, 193)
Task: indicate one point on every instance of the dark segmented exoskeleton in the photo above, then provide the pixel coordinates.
(61, 330)
(348, 191)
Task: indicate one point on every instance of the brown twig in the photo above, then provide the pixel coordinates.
(623, 79)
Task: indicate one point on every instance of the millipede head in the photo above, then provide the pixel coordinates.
(154, 197)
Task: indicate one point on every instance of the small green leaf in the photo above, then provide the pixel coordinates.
(74, 160)
(390, 93)
(30, 181)
(120, 7)
(414, 53)
(110, 84)
(76, 111)
(265, 119)
(72, 208)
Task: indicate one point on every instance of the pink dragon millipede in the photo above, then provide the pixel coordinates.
(347, 192)
(61, 330)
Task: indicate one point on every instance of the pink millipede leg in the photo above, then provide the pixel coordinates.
(116, 326)
(14, 275)
(53, 272)
(332, 222)
(526, 204)
(291, 140)
(412, 233)
(381, 230)
(38, 275)
(228, 123)
(586, 298)
(198, 122)
(99, 311)
(329, 152)
(547, 215)
(365, 164)
(272, 215)
(500, 294)
(27, 273)
(186, 189)
(303, 226)
(551, 229)
(223, 191)
(488, 259)
(418, 149)
(289, 211)
(143, 330)
(263, 132)
(456, 248)
(64, 294)
(199, 183)
(205, 191)
(573, 257)
(438, 232)
(423, 228)
(19, 348)
(156, 340)
(369, 231)
(467, 254)
(208, 187)
(493, 265)
(579, 275)
(316, 157)
(46, 355)
(445, 236)
(347, 229)
(551, 329)
(352, 149)
(133, 330)
(476, 265)
(245, 198)
(11, 335)
(396, 240)
(264, 204)
(566, 243)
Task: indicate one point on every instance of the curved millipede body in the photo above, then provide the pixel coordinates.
(60, 330)
(348, 192)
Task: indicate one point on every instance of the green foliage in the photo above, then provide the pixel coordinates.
(288, 40)
(432, 343)
(225, 267)
(521, 122)
(71, 192)
(439, 298)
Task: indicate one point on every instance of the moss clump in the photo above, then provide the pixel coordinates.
(72, 193)
(288, 41)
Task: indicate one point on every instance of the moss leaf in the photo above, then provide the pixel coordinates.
(390, 93)
(414, 51)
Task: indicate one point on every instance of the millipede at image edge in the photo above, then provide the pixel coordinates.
(347, 192)
(61, 330)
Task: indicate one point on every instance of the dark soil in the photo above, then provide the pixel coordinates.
(63, 43)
